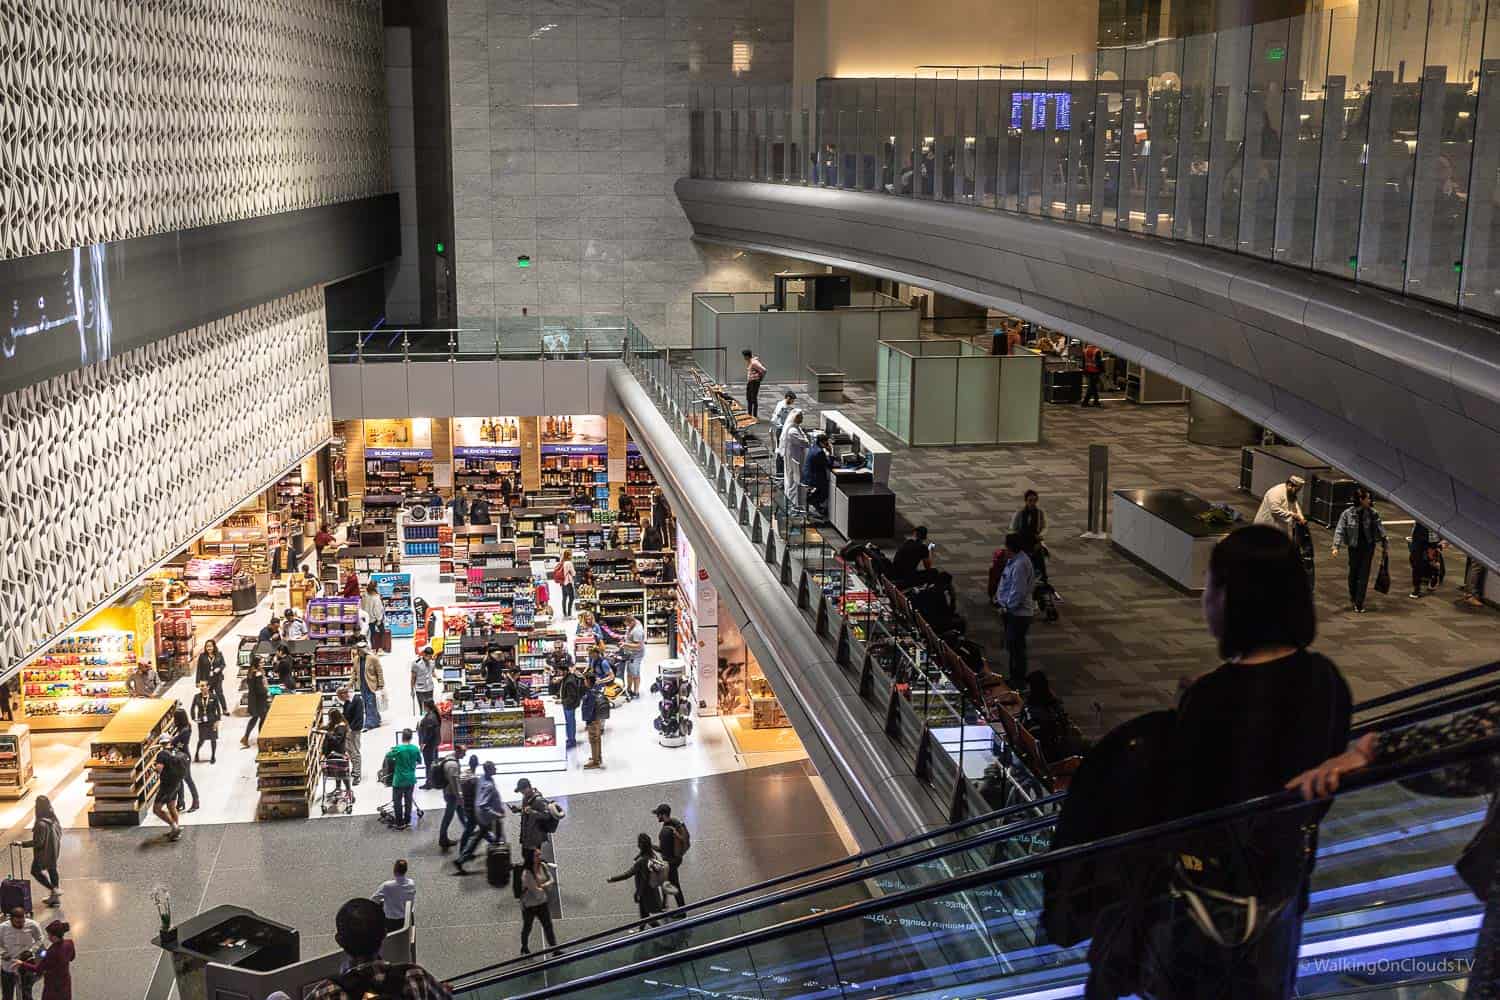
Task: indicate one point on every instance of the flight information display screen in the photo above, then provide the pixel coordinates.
(1038, 98)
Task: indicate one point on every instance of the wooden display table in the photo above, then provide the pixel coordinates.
(121, 772)
(288, 758)
(15, 760)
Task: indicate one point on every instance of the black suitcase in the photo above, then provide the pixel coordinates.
(497, 865)
(15, 891)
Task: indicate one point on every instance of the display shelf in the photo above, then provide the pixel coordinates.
(422, 536)
(481, 725)
(218, 586)
(531, 655)
(332, 667)
(506, 588)
(398, 470)
(380, 510)
(80, 682)
(611, 564)
(288, 758)
(121, 773)
(395, 593)
(617, 598)
(537, 528)
(333, 618)
(16, 773)
(489, 470)
(174, 640)
(639, 482)
(581, 536)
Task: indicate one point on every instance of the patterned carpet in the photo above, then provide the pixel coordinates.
(1126, 636)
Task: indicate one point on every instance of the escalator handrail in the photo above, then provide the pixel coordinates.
(1431, 709)
(675, 925)
(602, 941)
(1436, 684)
(1283, 800)
(529, 964)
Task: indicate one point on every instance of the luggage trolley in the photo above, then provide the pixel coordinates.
(336, 799)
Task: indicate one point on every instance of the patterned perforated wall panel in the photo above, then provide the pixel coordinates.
(120, 118)
(111, 468)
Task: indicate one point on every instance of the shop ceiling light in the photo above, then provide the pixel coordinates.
(740, 53)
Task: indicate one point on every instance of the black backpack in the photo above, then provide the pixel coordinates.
(358, 986)
(1117, 788)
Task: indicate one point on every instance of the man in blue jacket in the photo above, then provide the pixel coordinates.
(489, 817)
(816, 472)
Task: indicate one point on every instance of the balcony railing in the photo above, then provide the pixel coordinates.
(1362, 142)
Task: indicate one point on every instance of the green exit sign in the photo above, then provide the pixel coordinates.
(523, 261)
(1275, 53)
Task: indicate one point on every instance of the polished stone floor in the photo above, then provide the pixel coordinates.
(747, 826)
(1126, 636)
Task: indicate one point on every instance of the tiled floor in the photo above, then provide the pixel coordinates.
(752, 816)
(747, 826)
(1126, 636)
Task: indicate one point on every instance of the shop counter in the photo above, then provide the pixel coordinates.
(1162, 529)
(844, 433)
(859, 508)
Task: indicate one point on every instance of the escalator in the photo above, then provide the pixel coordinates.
(957, 913)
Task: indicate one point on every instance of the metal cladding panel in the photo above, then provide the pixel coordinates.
(429, 387)
(385, 390)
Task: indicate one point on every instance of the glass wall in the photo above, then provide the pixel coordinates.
(1362, 141)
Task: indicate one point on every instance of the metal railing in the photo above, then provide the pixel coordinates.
(1362, 142)
(967, 758)
(519, 339)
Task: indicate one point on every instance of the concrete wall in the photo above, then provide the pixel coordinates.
(892, 37)
(570, 124)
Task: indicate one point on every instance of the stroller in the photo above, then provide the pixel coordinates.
(387, 815)
(336, 798)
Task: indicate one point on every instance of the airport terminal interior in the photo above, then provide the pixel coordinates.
(798, 499)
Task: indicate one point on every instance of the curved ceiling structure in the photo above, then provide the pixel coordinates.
(1402, 395)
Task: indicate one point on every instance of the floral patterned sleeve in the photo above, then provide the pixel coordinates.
(1470, 778)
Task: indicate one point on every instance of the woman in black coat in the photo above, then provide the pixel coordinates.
(257, 700)
(211, 669)
(647, 896)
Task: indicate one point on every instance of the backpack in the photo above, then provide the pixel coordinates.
(357, 983)
(387, 769)
(656, 871)
(681, 836)
(557, 573)
(550, 816)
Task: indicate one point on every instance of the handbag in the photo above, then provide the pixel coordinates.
(1383, 578)
(1228, 920)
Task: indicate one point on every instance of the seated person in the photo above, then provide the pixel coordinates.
(913, 554)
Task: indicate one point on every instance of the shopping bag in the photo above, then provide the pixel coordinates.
(1383, 578)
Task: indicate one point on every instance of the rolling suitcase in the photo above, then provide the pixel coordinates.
(497, 865)
(15, 891)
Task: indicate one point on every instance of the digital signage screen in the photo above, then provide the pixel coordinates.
(1038, 98)
(68, 309)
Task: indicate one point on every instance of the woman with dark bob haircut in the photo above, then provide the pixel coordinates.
(1272, 710)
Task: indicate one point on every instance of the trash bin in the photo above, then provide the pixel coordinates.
(226, 935)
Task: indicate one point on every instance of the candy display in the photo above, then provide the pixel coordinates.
(80, 681)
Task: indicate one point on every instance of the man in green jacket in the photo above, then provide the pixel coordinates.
(403, 759)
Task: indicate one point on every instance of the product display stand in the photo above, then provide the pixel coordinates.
(674, 689)
(121, 772)
(423, 535)
(288, 758)
(395, 593)
(15, 760)
(333, 618)
(80, 682)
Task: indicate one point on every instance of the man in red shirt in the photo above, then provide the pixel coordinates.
(1093, 365)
